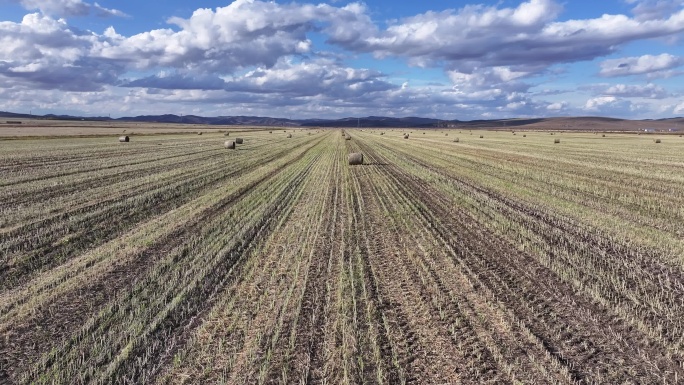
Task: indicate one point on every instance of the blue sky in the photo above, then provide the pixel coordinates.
(442, 59)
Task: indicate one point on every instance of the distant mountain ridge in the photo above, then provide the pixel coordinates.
(368, 121)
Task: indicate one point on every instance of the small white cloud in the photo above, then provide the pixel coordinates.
(69, 8)
(650, 91)
(654, 9)
(595, 103)
(646, 64)
(556, 106)
(679, 109)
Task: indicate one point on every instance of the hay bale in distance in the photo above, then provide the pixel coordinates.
(199, 133)
(226, 134)
(289, 135)
(657, 140)
(355, 158)
(348, 137)
(524, 136)
(481, 136)
(456, 140)
(603, 136)
(406, 136)
(229, 144)
(124, 139)
(556, 140)
(238, 140)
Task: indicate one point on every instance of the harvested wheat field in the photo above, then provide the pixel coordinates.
(508, 260)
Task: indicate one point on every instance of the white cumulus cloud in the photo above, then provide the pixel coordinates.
(69, 8)
(646, 64)
(650, 91)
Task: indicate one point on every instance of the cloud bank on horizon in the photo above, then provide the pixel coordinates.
(492, 59)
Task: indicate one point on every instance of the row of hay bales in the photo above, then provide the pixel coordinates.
(126, 139)
(230, 144)
(355, 158)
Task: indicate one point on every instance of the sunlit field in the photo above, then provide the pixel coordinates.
(453, 256)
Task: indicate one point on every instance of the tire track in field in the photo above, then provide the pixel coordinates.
(62, 317)
(266, 305)
(590, 344)
(47, 252)
(187, 317)
(380, 357)
(429, 349)
(308, 355)
(52, 191)
(597, 202)
(635, 273)
(92, 170)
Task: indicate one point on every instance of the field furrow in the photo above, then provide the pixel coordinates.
(494, 259)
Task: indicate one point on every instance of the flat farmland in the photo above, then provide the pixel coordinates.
(453, 256)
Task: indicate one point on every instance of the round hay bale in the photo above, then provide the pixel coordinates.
(239, 140)
(199, 133)
(456, 140)
(406, 136)
(446, 134)
(556, 141)
(524, 136)
(348, 137)
(481, 136)
(289, 135)
(229, 144)
(657, 140)
(270, 132)
(603, 136)
(124, 139)
(355, 158)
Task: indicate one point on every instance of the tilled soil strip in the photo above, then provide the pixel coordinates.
(576, 329)
(66, 314)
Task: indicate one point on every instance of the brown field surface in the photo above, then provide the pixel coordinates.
(63, 128)
(506, 259)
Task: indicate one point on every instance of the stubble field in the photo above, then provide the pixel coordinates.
(496, 259)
